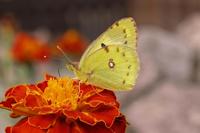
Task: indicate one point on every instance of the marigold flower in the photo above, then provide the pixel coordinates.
(71, 42)
(28, 49)
(63, 105)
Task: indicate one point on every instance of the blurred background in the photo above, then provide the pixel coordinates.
(166, 96)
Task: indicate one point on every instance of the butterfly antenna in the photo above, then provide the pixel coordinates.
(64, 54)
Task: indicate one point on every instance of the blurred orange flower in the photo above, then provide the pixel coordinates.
(71, 42)
(63, 105)
(27, 48)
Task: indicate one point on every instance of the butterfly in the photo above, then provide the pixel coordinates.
(111, 61)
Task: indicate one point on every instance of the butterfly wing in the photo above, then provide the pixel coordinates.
(122, 32)
(115, 68)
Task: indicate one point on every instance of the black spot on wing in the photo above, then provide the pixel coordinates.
(123, 54)
(117, 23)
(105, 47)
(124, 31)
(117, 49)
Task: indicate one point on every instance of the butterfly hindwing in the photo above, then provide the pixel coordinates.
(122, 32)
(113, 67)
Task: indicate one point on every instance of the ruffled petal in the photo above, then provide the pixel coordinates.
(60, 127)
(42, 85)
(91, 116)
(95, 107)
(23, 127)
(119, 126)
(105, 97)
(33, 100)
(7, 104)
(42, 121)
(18, 92)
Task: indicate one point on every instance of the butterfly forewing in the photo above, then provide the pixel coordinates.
(122, 32)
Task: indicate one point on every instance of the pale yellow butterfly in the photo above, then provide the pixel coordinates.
(111, 61)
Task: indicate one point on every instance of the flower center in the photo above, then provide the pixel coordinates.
(61, 92)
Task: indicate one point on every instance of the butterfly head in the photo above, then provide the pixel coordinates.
(74, 68)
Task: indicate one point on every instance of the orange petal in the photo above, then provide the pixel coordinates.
(42, 86)
(23, 127)
(21, 109)
(94, 96)
(106, 97)
(34, 101)
(34, 88)
(87, 90)
(18, 92)
(91, 116)
(7, 104)
(42, 121)
(118, 126)
(60, 127)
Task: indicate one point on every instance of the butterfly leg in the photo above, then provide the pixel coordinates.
(79, 88)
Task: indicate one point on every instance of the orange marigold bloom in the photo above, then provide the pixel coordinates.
(71, 42)
(27, 48)
(63, 105)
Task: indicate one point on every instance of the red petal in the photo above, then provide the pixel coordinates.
(91, 116)
(23, 127)
(95, 106)
(87, 90)
(106, 97)
(20, 109)
(34, 88)
(84, 128)
(94, 96)
(34, 101)
(42, 121)
(60, 127)
(118, 126)
(8, 103)
(42, 85)
(17, 93)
